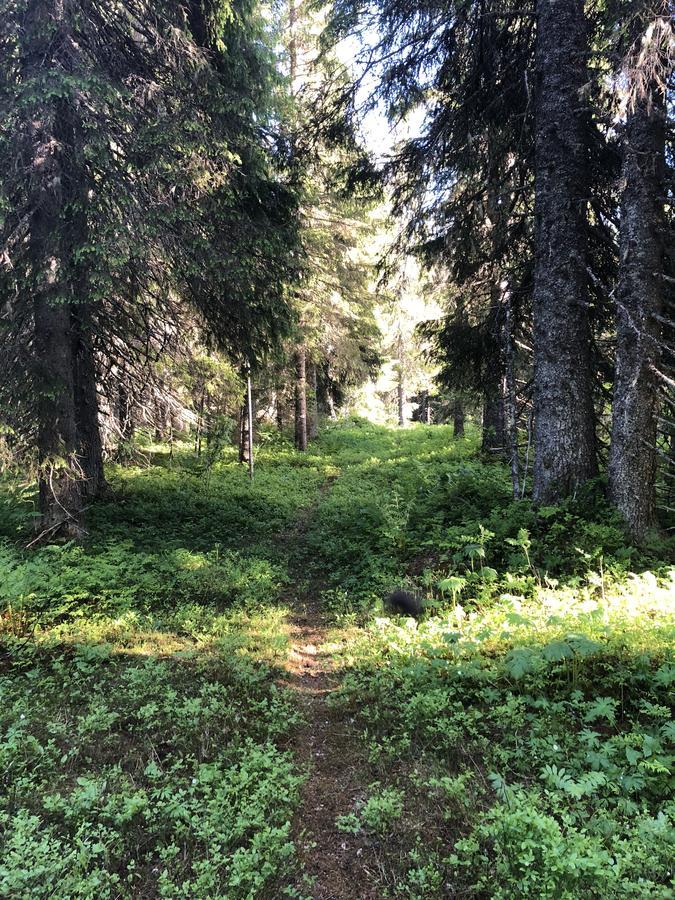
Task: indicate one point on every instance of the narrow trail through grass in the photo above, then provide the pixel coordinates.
(326, 745)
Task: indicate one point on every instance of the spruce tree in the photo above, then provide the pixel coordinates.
(641, 286)
(565, 446)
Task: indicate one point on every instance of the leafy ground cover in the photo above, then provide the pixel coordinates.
(517, 741)
(144, 748)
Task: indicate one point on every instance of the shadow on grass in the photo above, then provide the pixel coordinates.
(143, 758)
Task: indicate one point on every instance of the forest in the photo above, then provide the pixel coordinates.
(337, 449)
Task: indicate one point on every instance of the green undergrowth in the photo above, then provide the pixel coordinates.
(524, 727)
(171, 531)
(519, 737)
(419, 509)
(145, 758)
(534, 739)
(144, 736)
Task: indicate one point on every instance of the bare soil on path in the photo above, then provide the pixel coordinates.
(336, 866)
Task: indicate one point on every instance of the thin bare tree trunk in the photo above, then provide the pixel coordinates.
(425, 408)
(313, 403)
(200, 423)
(458, 418)
(400, 390)
(301, 398)
(510, 399)
(293, 45)
(125, 417)
(528, 447)
(493, 380)
(400, 386)
(244, 449)
(162, 418)
(279, 407)
(251, 424)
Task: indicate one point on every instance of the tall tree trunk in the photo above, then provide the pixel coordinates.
(158, 421)
(279, 394)
(90, 445)
(250, 425)
(510, 396)
(162, 408)
(313, 402)
(301, 398)
(60, 493)
(493, 419)
(125, 416)
(633, 455)
(400, 391)
(200, 422)
(565, 446)
(424, 412)
(493, 437)
(400, 386)
(60, 489)
(76, 232)
(293, 45)
(244, 447)
(493, 379)
(669, 467)
(458, 418)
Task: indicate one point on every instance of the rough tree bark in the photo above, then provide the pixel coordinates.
(313, 403)
(61, 501)
(510, 394)
(60, 494)
(493, 439)
(633, 455)
(89, 443)
(565, 447)
(76, 234)
(458, 418)
(301, 398)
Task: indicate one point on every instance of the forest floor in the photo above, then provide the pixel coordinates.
(326, 745)
(334, 866)
(209, 698)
